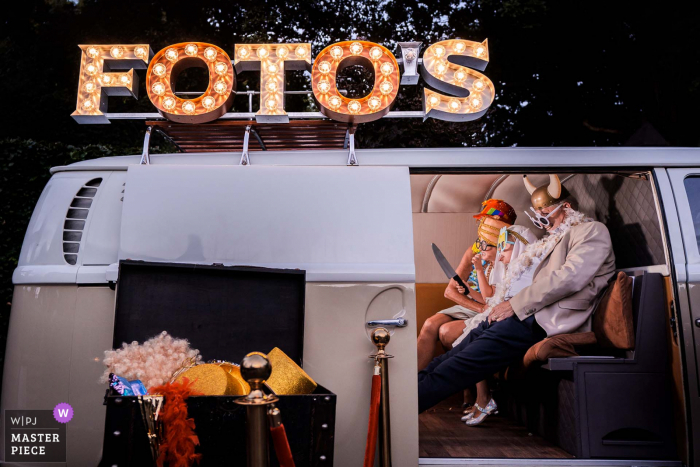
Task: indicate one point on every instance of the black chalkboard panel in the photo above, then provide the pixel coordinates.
(224, 311)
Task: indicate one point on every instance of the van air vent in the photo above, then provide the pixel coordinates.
(75, 220)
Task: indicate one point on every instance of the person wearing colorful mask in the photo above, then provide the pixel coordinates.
(512, 242)
(447, 325)
(571, 266)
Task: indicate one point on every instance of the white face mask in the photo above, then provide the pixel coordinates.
(539, 220)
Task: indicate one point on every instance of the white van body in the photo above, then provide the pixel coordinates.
(350, 228)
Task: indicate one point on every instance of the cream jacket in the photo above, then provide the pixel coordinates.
(569, 280)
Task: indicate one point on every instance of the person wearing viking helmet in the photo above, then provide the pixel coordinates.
(476, 269)
(570, 267)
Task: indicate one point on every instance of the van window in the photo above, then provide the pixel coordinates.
(692, 188)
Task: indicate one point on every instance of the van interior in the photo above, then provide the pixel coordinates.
(604, 403)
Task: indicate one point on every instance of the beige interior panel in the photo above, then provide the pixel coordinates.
(336, 350)
(454, 233)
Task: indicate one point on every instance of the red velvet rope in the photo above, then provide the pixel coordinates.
(373, 429)
(284, 453)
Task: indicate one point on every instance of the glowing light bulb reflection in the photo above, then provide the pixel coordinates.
(91, 69)
(169, 103)
(116, 51)
(210, 53)
(220, 68)
(90, 87)
(460, 47)
(301, 51)
(386, 87)
(272, 68)
(460, 75)
(271, 85)
(334, 102)
(263, 52)
(325, 67)
(171, 54)
(191, 50)
(356, 48)
(454, 105)
(336, 52)
(106, 80)
(141, 52)
(386, 68)
(189, 107)
(441, 68)
(478, 85)
(433, 101)
(375, 53)
(208, 102)
(125, 80)
(374, 103)
(324, 86)
(220, 87)
(244, 52)
(93, 52)
(282, 52)
(475, 102)
(479, 51)
(271, 103)
(88, 105)
(159, 69)
(439, 51)
(354, 107)
(158, 88)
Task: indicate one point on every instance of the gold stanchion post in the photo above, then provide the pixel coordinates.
(255, 369)
(380, 338)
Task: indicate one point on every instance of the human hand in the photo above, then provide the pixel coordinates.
(476, 261)
(460, 289)
(500, 312)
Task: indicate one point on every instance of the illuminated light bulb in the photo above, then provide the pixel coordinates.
(189, 107)
(220, 68)
(88, 105)
(439, 51)
(441, 68)
(159, 69)
(263, 52)
(271, 103)
(171, 54)
(191, 50)
(210, 53)
(410, 55)
(334, 102)
(374, 103)
(475, 102)
(244, 52)
(387, 68)
(116, 51)
(301, 51)
(479, 51)
(125, 80)
(169, 103)
(140, 52)
(93, 52)
(106, 80)
(375, 53)
(91, 69)
(90, 87)
(454, 105)
(460, 75)
(271, 85)
(386, 87)
(220, 86)
(433, 101)
(354, 107)
(158, 88)
(336, 52)
(208, 102)
(282, 52)
(460, 47)
(356, 48)
(272, 68)
(325, 67)
(324, 86)
(478, 85)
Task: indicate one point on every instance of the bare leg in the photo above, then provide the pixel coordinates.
(483, 395)
(449, 332)
(428, 336)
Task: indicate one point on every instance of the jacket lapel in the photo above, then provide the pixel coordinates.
(546, 258)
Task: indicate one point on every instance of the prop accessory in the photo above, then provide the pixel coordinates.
(380, 338)
(541, 221)
(508, 237)
(546, 195)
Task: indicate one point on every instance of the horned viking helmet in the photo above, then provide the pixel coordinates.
(546, 195)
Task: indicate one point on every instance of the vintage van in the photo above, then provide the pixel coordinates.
(363, 236)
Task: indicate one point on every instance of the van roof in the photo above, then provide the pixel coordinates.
(477, 158)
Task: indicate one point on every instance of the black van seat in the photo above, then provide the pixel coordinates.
(610, 403)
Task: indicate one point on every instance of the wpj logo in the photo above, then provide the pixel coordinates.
(36, 435)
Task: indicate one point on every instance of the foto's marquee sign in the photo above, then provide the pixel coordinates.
(451, 67)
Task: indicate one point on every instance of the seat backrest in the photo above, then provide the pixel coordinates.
(649, 302)
(613, 321)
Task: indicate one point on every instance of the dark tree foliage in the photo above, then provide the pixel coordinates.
(593, 73)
